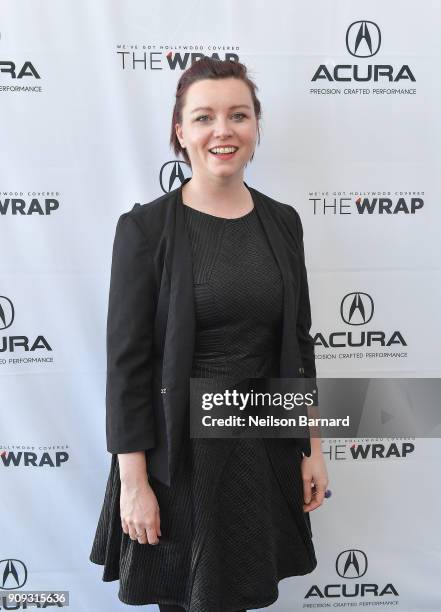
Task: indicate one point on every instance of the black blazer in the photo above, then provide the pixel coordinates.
(151, 324)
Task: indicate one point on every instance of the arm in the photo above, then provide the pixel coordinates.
(139, 509)
(314, 471)
(129, 412)
(304, 338)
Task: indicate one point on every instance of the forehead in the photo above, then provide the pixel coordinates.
(217, 94)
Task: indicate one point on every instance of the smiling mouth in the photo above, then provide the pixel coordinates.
(220, 151)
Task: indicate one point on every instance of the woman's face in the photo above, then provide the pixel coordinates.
(218, 113)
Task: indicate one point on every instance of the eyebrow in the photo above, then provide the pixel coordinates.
(204, 108)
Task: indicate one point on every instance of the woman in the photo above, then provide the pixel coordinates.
(207, 281)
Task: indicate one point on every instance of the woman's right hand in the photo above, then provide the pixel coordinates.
(139, 508)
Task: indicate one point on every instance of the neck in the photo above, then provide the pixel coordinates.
(225, 193)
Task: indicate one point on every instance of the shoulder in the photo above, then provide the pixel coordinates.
(155, 209)
(285, 213)
(151, 218)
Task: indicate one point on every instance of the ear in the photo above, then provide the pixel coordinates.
(178, 130)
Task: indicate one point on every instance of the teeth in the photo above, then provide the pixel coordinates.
(224, 150)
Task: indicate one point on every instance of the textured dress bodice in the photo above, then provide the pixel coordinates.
(238, 296)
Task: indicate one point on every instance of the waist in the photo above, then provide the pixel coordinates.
(214, 364)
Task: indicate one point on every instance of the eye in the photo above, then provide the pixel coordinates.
(238, 117)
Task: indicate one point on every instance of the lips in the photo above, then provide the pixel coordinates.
(212, 150)
(223, 156)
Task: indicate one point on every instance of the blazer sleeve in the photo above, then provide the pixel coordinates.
(129, 413)
(304, 338)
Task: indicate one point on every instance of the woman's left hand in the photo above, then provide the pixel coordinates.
(314, 476)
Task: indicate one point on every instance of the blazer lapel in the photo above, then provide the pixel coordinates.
(289, 365)
(179, 336)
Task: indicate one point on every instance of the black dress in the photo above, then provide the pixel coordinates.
(232, 520)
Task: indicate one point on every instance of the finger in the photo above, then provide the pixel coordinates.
(141, 535)
(310, 507)
(152, 536)
(124, 526)
(317, 498)
(307, 493)
(320, 494)
(158, 523)
(132, 533)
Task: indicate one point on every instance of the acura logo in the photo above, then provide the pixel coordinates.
(357, 308)
(13, 574)
(363, 39)
(6, 312)
(173, 174)
(351, 564)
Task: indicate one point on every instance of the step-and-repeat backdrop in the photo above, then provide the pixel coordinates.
(350, 137)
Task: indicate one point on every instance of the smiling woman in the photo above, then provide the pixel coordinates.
(206, 524)
(216, 129)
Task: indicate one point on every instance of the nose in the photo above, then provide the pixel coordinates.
(222, 128)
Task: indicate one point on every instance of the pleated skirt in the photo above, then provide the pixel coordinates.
(232, 527)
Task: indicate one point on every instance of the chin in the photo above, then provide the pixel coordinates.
(227, 170)
(226, 173)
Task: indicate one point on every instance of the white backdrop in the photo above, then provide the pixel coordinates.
(84, 136)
